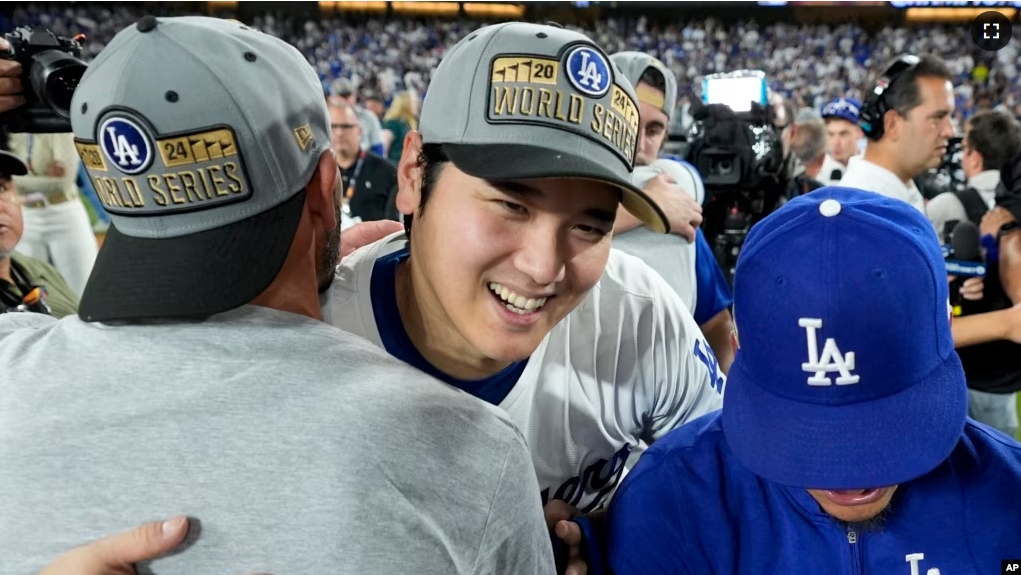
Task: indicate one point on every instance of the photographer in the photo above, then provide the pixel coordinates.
(21, 275)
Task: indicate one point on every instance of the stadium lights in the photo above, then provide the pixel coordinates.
(427, 8)
(506, 10)
(952, 14)
(353, 6)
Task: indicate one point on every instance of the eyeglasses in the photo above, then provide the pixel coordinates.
(343, 127)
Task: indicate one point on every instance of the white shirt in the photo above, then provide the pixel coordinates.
(622, 369)
(831, 172)
(864, 175)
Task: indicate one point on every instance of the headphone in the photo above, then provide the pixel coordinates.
(875, 105)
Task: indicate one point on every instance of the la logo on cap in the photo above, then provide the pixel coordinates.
(832, 360)
(588, 71)
(125, 144)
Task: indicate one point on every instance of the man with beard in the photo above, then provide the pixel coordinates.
(198, 377)
(690, 268)
(844, 440)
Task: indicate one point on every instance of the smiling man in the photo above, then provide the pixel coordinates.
(844, 444)
(907, 120)
(505, 284)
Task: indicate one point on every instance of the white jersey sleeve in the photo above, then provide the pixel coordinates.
(679, 378)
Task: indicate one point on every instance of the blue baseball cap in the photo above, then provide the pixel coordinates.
(846, 377)
(844, 108)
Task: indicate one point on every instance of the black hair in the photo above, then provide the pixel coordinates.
(903, 94)
(654, 78)
(996, 136)
(431, 159)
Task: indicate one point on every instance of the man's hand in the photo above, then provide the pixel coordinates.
(117, 554)
(682, 211)
(364, 233)
(558, 520)
(10, 82)
(993, 219)
(56, 169)
(972, 288)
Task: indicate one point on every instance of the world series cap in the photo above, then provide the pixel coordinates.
(199, 136)
(633, 65)
(519, 101)
(846, 376)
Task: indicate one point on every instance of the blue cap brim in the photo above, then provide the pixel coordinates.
(872, 444)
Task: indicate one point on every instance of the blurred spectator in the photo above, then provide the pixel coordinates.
(57, 226)
(369, 181)
(842, 137)
(809, 144)
(374, 103)
(401, 118)
(343, 90)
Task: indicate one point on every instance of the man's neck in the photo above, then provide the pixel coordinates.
(433, 335)
(5, 270)
(884, 158)
(346, 161)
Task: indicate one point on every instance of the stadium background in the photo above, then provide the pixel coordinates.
(810, 51)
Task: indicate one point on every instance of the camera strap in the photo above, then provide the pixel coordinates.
(21, 284)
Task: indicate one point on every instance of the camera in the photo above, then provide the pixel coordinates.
(741, 159)
(51, 69)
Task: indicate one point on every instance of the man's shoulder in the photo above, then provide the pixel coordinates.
(380, 163)
(985, 454)
(628, 275)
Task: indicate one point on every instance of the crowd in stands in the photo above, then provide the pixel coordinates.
(810, 64)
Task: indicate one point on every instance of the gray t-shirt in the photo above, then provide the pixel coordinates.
(301, 449)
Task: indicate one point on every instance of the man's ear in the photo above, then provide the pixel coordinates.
(410, 174)
(323, 193)
(892, 124)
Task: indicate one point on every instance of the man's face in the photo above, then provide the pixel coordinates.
(375, 106)
(924, 133)
(11, 223)
(347, 131)
(971, 161)
(842, 139)
(652, 131)
(497, 266)
(854, 506)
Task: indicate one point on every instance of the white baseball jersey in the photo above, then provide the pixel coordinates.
(626, 366)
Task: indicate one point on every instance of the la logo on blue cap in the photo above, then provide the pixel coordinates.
(588, 71)
(125, 145)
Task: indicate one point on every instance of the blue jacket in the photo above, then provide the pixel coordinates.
(688, 507)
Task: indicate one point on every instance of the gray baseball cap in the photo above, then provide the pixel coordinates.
(517, 101)
(199, 136)
(634, 64)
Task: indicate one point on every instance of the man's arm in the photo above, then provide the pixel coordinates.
(682, 212)
(986, 327)
(713, 298)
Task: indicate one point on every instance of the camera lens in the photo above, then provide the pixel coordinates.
(55, 76)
